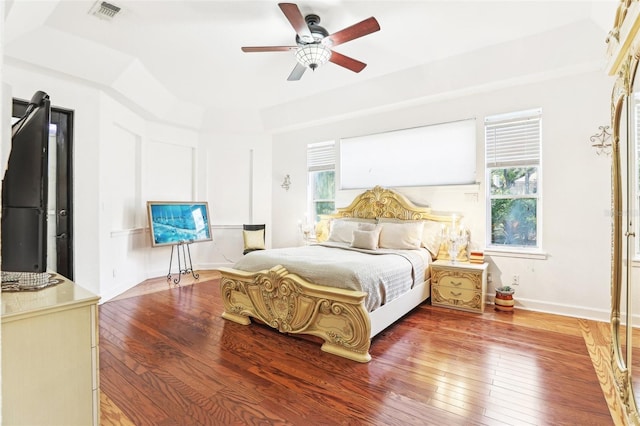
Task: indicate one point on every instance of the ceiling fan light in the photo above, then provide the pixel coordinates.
(313, 55)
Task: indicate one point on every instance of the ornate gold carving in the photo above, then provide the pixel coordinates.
(381, 202)
(289, 304)
(438, 292)
(623, 52)
(474, 303)
(623, 34)
(621, 12)
(437, 274)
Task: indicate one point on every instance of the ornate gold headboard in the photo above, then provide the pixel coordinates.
(380, 202)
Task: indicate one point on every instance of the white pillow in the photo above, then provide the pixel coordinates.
(402, 236)
(432, 234)
(432, 237)
(342, 229)
(367, 226)
(366, 239)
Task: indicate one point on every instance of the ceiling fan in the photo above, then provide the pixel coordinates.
(314, 44)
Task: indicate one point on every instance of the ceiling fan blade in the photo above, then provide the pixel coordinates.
(269, 48)
(360, 29)
(346, 61)
(297, 72)
(293, 14)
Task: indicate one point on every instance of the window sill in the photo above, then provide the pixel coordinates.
(522, 254)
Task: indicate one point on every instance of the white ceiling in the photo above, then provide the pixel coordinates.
(190, 50)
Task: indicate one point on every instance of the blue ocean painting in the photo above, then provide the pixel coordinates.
(179, 223)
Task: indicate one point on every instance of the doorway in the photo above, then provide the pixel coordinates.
(60, 201)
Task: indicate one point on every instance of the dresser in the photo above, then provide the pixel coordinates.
(459, 285)
(50, 356)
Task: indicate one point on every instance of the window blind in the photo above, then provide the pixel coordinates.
(513, 140)
(438, 154)
(321, 156)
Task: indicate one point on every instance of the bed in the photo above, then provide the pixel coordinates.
(346, 317)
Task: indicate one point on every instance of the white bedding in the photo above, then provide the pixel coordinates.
(383, 274)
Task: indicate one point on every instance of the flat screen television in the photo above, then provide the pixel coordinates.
(25, 190)
(175, 222)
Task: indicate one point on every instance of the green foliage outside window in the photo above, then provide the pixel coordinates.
(324, 207)
(324, 185)
(514, 206)
(513, 221)
(323, 193)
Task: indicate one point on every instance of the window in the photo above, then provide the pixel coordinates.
(512, 143)
(321, 184)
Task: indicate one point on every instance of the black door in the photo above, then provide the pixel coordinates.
(60, 214)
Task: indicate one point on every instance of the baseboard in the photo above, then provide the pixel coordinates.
(116, 291)
(520, 303)
(210, 266)
(200, 267)
(560, 309)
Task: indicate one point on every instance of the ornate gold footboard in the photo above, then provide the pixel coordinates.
(292, 305)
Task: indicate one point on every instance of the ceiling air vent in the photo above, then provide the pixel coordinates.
(104, 10)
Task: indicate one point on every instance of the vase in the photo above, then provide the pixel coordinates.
(504, 300)
(455, 243)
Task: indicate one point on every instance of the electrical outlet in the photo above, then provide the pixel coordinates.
(516, 279)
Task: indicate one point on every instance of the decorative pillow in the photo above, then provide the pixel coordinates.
(366, 239)
(405, 235)
(342, 229)
(253, 240)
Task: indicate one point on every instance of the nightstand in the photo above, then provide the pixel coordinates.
(459, 285)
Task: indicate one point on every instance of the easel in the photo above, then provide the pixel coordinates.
(187, 268)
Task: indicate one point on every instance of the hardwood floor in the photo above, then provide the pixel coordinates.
(168, 358)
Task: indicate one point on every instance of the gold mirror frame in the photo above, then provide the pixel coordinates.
(624, 52)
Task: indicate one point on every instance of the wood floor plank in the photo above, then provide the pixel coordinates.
(167, 357)
(120, 386)
(111, 414)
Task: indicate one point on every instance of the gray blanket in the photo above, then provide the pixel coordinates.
(383, 274)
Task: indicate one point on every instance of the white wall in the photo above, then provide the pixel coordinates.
(120, 161)
(573, 279)
(84, 100)
(140, 161)
(235, 171)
